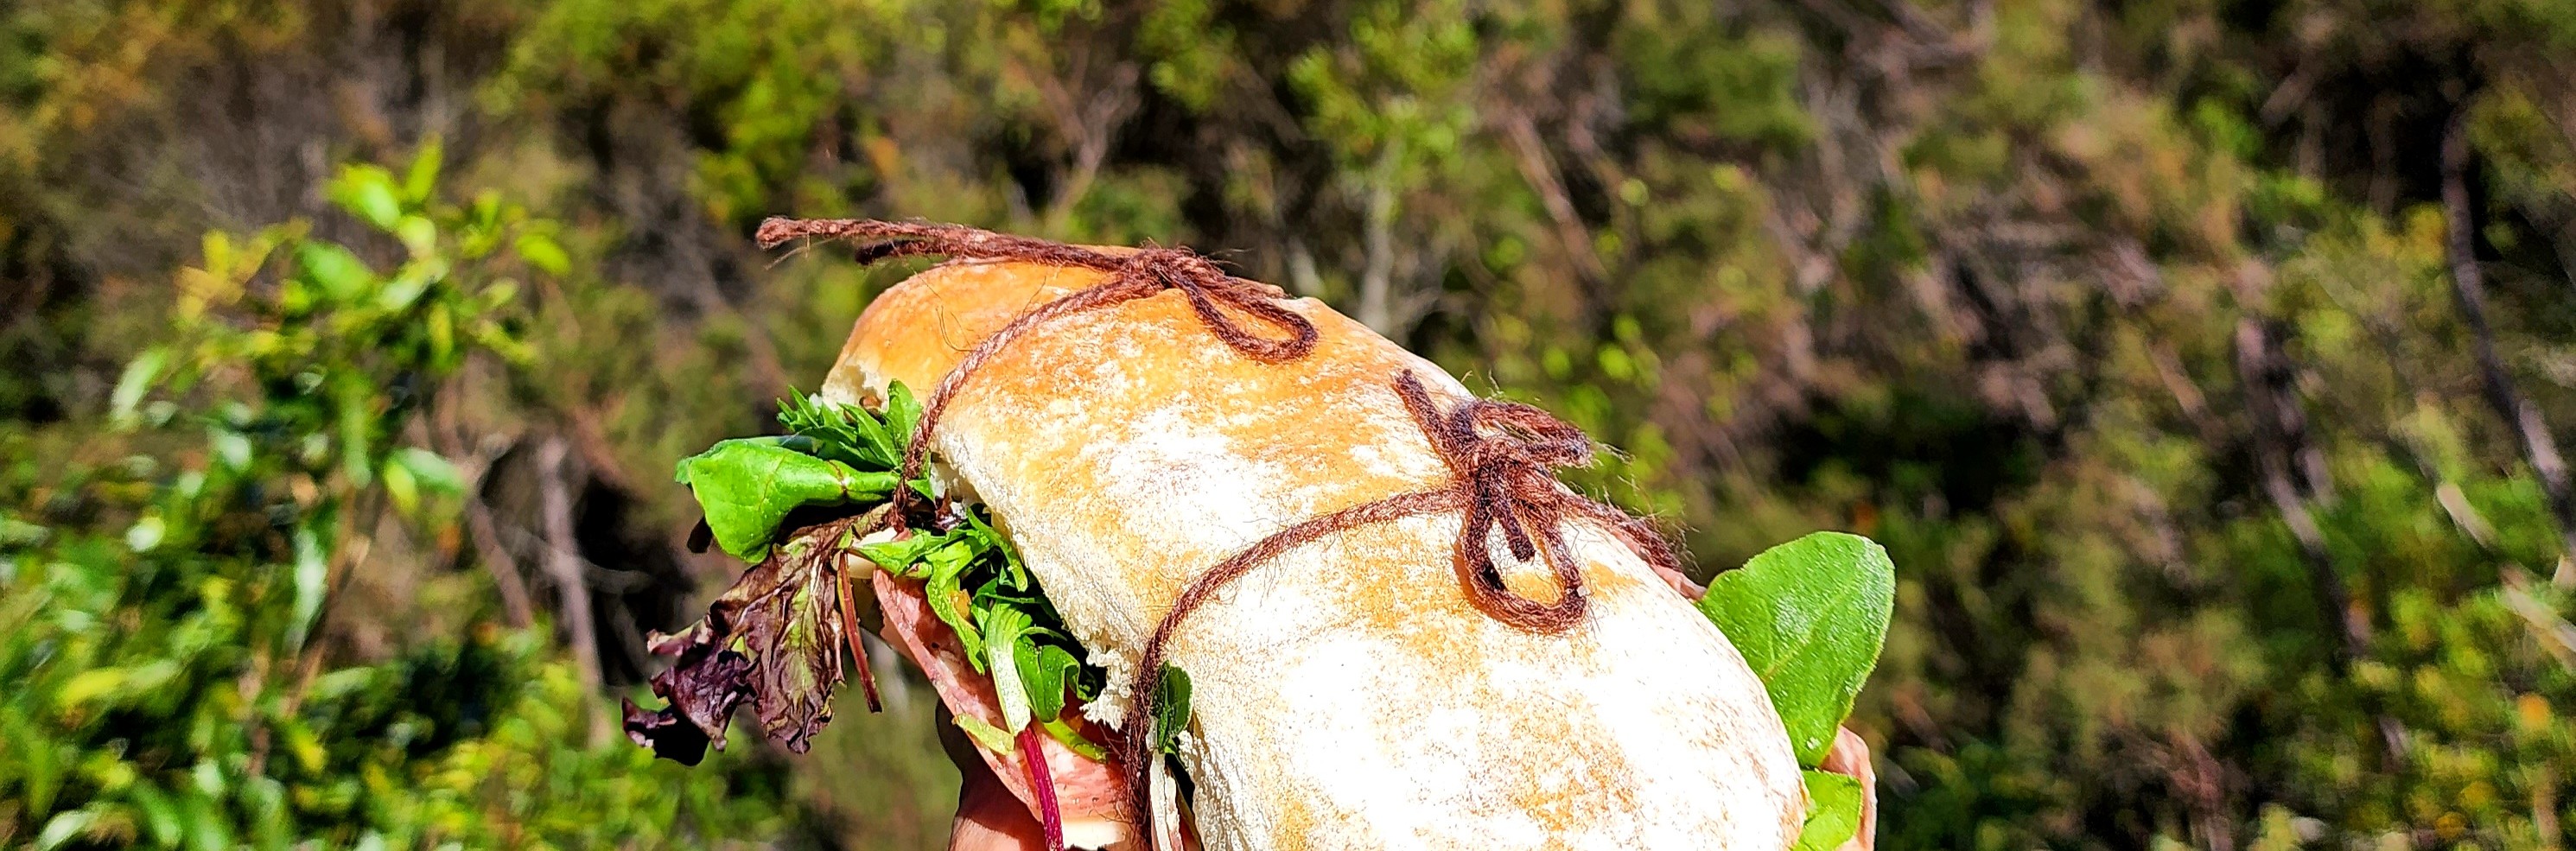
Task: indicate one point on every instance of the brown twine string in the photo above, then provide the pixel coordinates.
(1134, 276)
(1501, 456)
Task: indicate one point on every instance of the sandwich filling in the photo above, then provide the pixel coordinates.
(810, 511)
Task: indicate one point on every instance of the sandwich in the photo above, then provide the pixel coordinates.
(1193, 564)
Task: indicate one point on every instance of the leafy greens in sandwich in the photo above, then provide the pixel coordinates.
(801, 506)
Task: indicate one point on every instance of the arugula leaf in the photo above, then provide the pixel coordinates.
(986, 736)
(1073, 741)
(848, 433)
(976, 584)
(747, 485)
(948, 599)
(1004, 628)
(1171, 709)
(1047, 670)
(902, 418)
(1833, 811)
(1017, 573)
(906, 556)
(1809, 616)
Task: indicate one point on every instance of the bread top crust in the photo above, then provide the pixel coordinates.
(1127, 449)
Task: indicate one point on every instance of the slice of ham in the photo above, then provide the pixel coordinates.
(1681, 584)
(1090, 794)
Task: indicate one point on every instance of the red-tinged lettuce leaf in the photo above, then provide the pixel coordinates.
(773, 641)
(786, 611)
(702, 689)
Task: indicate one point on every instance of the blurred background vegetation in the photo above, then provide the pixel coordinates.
(2200, 362)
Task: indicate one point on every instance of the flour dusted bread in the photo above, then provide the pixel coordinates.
(1347, 694)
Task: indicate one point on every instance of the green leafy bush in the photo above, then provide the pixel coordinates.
(166, 617)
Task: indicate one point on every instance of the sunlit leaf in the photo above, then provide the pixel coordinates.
(312, 569)
(367, 192)
(542, 252)
(136, 381)
(339, 273)
(422, 176)
(230, 447)
(144, 535)
(435, 473)
(64, 828)
(400, 487)
(418, 234)
(1809, 616)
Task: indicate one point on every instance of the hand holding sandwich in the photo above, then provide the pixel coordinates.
(990, 819)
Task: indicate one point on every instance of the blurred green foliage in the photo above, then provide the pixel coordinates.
(166, 688)
(2131, 329)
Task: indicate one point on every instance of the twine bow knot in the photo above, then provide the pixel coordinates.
(1503, 456)
(1153, 270)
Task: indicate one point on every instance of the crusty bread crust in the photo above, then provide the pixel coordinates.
(1347, 694)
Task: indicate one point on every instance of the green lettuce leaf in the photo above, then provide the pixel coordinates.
(747, 485)
(1809, 616)
(1833, 812)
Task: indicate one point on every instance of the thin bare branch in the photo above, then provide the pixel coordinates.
(1530, 152)
(446, 433)
(1091, 125)
(1377, 271)
(517, 605)
(2258, 369)
(563, 564)
(2468, 291)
